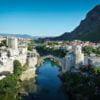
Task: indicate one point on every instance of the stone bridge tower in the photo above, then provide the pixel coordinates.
(79, 56)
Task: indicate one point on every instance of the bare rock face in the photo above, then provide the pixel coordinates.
(28, 74)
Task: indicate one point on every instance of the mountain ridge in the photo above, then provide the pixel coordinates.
(88, 30)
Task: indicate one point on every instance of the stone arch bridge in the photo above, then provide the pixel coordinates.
(58, 60)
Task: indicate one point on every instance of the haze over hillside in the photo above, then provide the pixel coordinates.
(16, 35)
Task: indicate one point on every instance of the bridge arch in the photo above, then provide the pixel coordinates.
(55, 59)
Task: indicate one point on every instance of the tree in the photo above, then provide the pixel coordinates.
(3, 43)
(17, 67)
(8, 88)
(80, 86)
(30, 47)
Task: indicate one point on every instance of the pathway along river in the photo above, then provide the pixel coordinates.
(49, 82)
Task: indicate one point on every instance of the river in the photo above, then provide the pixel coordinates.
(49, 83)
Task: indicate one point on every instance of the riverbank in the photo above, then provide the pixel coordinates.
(10, 85)
(82, 86)
(19, 83)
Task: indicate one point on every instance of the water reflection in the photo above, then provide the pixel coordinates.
(48, 83)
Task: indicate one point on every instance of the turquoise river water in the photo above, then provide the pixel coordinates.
(49, 83)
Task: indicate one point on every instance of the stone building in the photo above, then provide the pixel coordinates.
(74, 58)
(69, 61)
(14, 52)
(79, 56)
(31, 59)
(12, 43)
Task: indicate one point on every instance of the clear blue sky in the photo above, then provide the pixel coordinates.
(42, 17)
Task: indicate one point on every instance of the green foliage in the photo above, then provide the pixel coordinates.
(3, 43)
(89, 50)
(17, 68)
(50, 51)
(8, 96)
(24, 67)
(31, 46)
(97, 51)
(93, 36)
(96, 70)
(52, 43)
(9, 86)
(80, 85)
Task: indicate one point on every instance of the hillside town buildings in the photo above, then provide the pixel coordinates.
(15, 51)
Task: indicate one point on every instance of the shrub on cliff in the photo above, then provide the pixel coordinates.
(17, 67)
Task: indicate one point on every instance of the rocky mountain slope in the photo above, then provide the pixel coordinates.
(89, 28)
